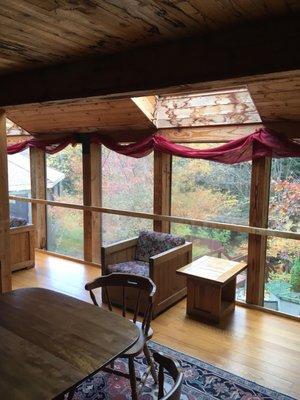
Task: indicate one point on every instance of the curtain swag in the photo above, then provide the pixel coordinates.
(261, 143)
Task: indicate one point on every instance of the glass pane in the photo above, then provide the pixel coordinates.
(65, 231)
(118, 227)
(127, 184)
(282, 287)
(217, 243)
(210, 190)
(19, 184)
(285, 194)
(64, 175)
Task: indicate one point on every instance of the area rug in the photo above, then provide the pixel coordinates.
(202, 381)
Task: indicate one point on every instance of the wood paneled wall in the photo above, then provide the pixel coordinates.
(5, 269)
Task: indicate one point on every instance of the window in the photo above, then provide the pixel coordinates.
(65, 231)
(127, 184)
(282, 277)
(216, 192)
(19, 184)
(64, 183)
(64, 175)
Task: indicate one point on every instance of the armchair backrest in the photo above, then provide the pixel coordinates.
(151, 243)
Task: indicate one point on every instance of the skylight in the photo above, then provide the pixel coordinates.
(212, 108)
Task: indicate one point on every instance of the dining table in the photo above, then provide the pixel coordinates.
(51, 342)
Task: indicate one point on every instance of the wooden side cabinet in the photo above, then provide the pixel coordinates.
(211, 285)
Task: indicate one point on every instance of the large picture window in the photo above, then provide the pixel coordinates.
(127, 184)
(19, 184)
(65, 184)
(216, 192)
(282, 276)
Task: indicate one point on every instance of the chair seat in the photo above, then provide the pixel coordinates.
(130, 267)
(139, 345)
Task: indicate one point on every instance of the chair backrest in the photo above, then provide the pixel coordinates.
(151, 243)
(138, 283)
(172, 368)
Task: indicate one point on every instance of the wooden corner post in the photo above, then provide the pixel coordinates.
(257, 244)
(91, 169)
(162, 189)
(38, 191)
(5, 268)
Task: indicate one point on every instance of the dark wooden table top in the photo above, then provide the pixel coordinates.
(50, 342)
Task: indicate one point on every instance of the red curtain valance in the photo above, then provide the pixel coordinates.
(261, 143)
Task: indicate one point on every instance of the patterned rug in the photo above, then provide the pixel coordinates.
(202, 381)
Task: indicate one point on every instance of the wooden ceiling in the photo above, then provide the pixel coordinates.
(273, 99)
(36, 33)
(115, 117)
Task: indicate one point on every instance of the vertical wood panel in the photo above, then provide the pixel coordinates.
(38, 190)
(5, 269)
(162, 189)
(259, 206)
(91, 158)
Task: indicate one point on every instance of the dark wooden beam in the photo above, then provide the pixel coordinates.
(257, 48)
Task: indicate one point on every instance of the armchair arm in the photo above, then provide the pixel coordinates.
(180, 252)
(118, 252)
(169, 254)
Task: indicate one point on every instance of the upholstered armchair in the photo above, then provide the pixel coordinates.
(152, 254)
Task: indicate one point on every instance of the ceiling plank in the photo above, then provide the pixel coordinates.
(244, 51)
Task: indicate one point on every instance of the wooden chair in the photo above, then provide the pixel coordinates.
(160, 268)
(141, 285)
(172, 367)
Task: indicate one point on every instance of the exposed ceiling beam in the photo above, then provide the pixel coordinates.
(258, 48)
(225, 133)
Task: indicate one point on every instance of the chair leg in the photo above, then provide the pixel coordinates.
(132, 377)
(150, 363)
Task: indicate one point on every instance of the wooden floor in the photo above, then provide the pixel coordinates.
(258, 346)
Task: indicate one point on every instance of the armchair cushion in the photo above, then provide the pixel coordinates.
(16, 222)
(130, 267)
(152, 243)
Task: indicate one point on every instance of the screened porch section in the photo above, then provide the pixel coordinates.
(175, 172)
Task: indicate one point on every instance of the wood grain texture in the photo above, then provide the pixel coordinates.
(5, 271)
(162, 189)
(223, 133)
(231, 53)
(212, 269)
(258, 216)
(91, 173)
(22, 244)
(190, 110)
(242, 345)
(277, 101)
(51, 342)
(38, 190)
(86, 115)
(158, 217)
(35, 33)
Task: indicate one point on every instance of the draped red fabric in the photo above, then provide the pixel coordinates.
(261, 143)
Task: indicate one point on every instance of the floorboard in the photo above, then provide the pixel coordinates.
(258, 346)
